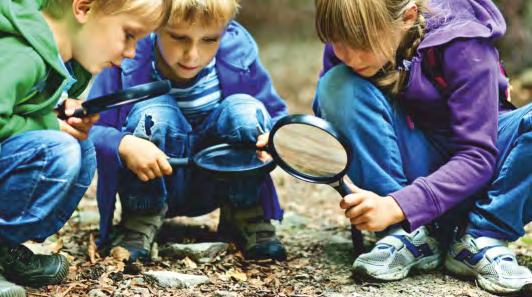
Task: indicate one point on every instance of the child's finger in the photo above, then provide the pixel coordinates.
(262, 140)
(356, 211)
(164, 165)
(351, 200)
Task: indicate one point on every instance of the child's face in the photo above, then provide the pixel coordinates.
(364, 62)
(104, 40)
(186, 48)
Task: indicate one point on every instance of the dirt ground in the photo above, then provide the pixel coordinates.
(314, 230)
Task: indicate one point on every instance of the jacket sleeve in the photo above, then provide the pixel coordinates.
(17, 80)
(266, 93)
(106, 134)
(470, 67)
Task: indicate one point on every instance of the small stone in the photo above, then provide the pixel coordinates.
(225, 294)
(170, 279)
(204, 252)
(97, 293)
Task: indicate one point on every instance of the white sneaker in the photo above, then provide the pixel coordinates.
(396, 254)
(490, 261)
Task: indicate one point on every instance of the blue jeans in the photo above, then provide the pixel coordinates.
(189, 191)
(43, 176)
(388, 154)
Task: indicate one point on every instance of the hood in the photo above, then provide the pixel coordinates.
(451, 19)
(22, 18)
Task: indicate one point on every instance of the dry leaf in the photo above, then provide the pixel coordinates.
(92, 250)
(237, 275)
(56, 246)
(120, 254)
(189, 263)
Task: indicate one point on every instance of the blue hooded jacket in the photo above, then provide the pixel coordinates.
(239, 71)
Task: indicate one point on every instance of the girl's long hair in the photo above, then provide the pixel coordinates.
(368, 25)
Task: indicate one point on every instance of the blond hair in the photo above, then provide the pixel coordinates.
(365, 24)
(154, 12)
(203, 11)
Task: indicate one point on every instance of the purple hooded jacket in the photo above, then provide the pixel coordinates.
(466, 117)
(239, 71)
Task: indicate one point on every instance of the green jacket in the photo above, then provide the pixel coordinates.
(31, 75)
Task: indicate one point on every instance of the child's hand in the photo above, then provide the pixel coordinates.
(262, 142)
(77, 127)
(369, 211)
(144, 158)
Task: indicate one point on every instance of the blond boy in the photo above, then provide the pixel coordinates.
(50, 49)
(221, 93)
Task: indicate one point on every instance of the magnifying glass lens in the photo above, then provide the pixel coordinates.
(230, 159)
(310, 150)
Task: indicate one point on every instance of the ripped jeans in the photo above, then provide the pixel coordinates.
(189, 191)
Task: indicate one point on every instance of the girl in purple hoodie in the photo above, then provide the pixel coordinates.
(443, 162)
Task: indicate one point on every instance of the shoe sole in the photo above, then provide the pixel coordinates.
(458, 268)
(13, 292)
(423, 264)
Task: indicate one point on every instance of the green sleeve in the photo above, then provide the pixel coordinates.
(20, 71)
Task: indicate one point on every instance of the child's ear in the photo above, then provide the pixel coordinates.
(82, 9)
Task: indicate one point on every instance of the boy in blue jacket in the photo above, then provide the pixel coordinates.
(220, 93)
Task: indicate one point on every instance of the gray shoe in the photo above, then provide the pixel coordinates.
(396, 254)
(491, 262)
(253, 235)
(137, 232)
(8, 289)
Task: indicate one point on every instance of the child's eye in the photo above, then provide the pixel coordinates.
(211, 40)
(178, 37)
(130, 36)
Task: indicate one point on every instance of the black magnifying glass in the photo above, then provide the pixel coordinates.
(311, 149)
(127, 96)
(228, 161)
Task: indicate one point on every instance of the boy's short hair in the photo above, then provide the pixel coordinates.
(203, 11)
(150, 11)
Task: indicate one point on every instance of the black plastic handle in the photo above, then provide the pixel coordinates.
(342, 188)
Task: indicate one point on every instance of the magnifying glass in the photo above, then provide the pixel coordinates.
(228, 161)
(130, 95)
(311, 149)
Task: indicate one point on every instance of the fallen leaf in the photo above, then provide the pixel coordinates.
(237, 275)
(120, 254)
(189, 263)
(92, 249)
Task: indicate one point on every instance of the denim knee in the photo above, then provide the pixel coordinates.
(346, 98)
(242, 118)
(162, 123)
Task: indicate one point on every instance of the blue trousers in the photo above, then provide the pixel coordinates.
(189, 191)
(43, 176)
(388, 154)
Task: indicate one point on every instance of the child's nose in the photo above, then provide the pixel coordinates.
(192, 53)
(129, 52)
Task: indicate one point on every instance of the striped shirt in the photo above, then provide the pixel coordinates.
(199, 97)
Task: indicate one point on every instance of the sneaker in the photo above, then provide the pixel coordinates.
(490, 261)
(136, 233)
(8, 289)
(22, 266)
(253, 235)
(396, 254)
